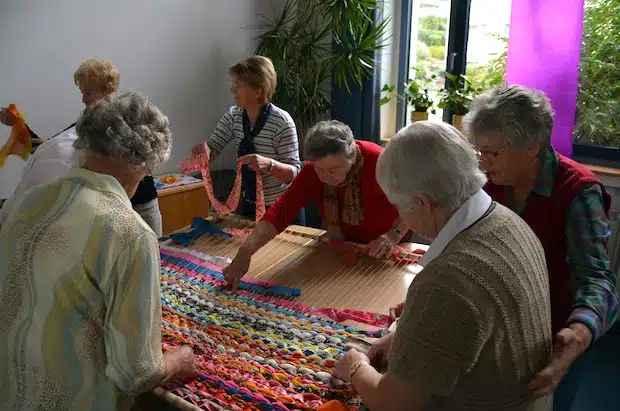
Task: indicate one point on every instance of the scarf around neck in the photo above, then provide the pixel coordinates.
(352, 208)
(246, 146)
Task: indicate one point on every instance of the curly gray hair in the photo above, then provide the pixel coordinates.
(329, 137)
(125, 126)
(433, 159)
(522, 117)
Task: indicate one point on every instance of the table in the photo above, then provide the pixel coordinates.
(179, 205)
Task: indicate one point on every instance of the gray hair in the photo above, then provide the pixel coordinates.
(522, 117)
(125, 126)
(329, 137)
(433, 159)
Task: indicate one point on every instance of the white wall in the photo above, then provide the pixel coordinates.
(175, 51)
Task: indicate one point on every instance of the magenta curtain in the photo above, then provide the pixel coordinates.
(544, 46)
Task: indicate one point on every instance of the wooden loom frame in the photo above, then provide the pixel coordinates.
(298, 257)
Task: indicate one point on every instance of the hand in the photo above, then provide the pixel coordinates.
(256, 162)
(383, 247)
(569, 344)
(183, 362)
(202, 148)
(238, 268)
(6, 117)
(379, 351)
(396, 311)
(342, 369)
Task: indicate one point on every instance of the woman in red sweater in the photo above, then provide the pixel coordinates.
(340, 178)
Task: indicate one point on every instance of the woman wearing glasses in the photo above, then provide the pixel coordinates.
(566, 206)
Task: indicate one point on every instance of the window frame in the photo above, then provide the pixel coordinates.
(456, 63)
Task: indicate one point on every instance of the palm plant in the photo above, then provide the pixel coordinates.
(312, 41)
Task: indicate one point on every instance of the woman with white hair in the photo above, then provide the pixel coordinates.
(567, 207)
(340, 179)
(80, 313)
(476, 324)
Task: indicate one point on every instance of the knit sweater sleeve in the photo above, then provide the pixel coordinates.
(439, 337)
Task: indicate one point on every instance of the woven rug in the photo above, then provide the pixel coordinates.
(258, 350)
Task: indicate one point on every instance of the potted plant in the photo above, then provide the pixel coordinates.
(458, 97)
(416, 95)
(418, 98)
(312, 41)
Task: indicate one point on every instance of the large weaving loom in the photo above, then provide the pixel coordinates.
(272, 344)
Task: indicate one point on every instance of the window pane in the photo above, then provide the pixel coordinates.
(487, 44)
(429, 41)
(598, 107)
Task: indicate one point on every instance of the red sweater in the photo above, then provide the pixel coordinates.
(379, 214)
(546, 216)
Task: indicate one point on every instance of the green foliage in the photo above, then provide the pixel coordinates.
(298, 39)
(416, 92)
(598, 105)
(459, 95)
(422, 51)
(494, 72)
(433, 30)
(438, 52)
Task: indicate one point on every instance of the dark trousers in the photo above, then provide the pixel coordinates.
(248, 210)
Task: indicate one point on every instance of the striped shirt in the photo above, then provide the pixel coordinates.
(80, 312)
(277, 140)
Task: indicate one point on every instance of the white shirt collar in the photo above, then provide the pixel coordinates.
(465, 216)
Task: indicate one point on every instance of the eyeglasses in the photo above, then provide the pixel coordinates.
(492, 154)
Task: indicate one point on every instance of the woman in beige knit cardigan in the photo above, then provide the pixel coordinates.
(476, 324)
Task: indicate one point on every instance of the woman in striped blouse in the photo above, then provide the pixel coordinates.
(264, 134)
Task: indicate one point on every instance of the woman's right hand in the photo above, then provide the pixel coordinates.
(202, 148)
(181, 364)
(379, 351)
(396, 311)
(6, 117)
(238, 268)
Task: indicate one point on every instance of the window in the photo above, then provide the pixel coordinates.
(487, 45)
(427, 48)
(489, 21)
(597, 124)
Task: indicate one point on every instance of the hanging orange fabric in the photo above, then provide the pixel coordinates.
(19, 142)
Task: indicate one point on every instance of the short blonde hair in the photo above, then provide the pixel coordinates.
(97, 75)
(257, 72)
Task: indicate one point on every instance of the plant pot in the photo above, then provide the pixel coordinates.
(457, 122)
(419, 116)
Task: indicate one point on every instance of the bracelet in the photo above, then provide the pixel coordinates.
(354, 368)
(271, 165)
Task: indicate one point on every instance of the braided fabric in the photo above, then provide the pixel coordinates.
(257, 350)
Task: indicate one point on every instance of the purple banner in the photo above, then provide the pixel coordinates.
(544, 46)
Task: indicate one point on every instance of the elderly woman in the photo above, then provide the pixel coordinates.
(96, 79)
(80, 314)
(566, 206)
(476, 323)
(340, 178)
(265, 135)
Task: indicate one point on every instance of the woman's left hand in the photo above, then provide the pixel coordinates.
(256, 162)
(383, 246)
(342, 370)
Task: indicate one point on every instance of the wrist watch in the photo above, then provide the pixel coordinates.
(354, 368)
(271, 164)
(397, 231)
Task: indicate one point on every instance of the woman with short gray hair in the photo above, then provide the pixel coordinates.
(340, 178)
(80, 313)
(567, 207)
(476, 320)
